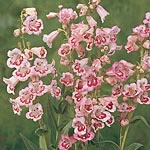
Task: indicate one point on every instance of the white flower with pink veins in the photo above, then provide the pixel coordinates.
(35, 112)
(42, 68)
(23, 72)
(37, 88)
(26, 97)
(11, 83)
(16, 58)
(32, 25)
(16, 106)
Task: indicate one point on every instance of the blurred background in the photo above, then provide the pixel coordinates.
(124, 13)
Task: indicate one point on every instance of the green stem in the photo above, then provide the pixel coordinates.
(123, 139)
(42, 138)
(76, 147)
(58, 122)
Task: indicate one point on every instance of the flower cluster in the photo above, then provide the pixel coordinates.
(86, 75)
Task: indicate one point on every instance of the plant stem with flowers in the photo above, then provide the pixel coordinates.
(83, 80)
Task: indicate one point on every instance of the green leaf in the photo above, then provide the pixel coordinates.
(108, 143)
(29, 145)
(138, 117)
(40, 131)
(42, 142)
(66, 128)
(61, 107)
(134, 146)
(51, 121)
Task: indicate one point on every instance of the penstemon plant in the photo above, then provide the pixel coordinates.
(77, 109)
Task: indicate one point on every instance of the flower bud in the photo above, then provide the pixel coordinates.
(16, 32)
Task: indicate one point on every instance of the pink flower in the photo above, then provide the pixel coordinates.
(79, 66)
(32, 25)
(48, 39)
(35, 112)
(143, 85)
(83, 9)
(124, 107)
(23, 72)
(37, 88)
(26, 97)
(64, 50)
(92, 23)
(66, 142)
(141, 32)
(66, 15)
(121, 70)
(117, 90)
(28, 54)
(147, 18)
(11, 83)
(146, 63)
(143, 98)
(96, 125)
(146, 44)
(42, 68)
(77, 97)
(15, 106)
(67, 79)
(124, 122)
(79, 126)
(131, 90)
(86, 105)
(31, 11)
(15, 59)
(105, 59)
(100, 114)
(80, 51)
(131, 44)
(64, 61)
(96, 65)
(16, 32)
(102, 12)
(39, 51)
(51, 15)
(110, 121)
(54, 90)
(109, 103)
(88, 136)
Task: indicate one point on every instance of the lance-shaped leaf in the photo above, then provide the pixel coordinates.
(29, 145)
(138, 118)
(51, 121)
(67, 127)
(134, 146)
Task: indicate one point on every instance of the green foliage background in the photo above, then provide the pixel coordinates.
(124, 13)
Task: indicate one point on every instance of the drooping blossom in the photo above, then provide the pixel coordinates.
(48, 39)
(146, 63)
(96, 125)
(11, 83)
(41, 52)
(35, 112)
(32, 25)
(102, 12)
(83, 9)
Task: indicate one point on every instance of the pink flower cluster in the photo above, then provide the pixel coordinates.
(86, 75)
(25, 71)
